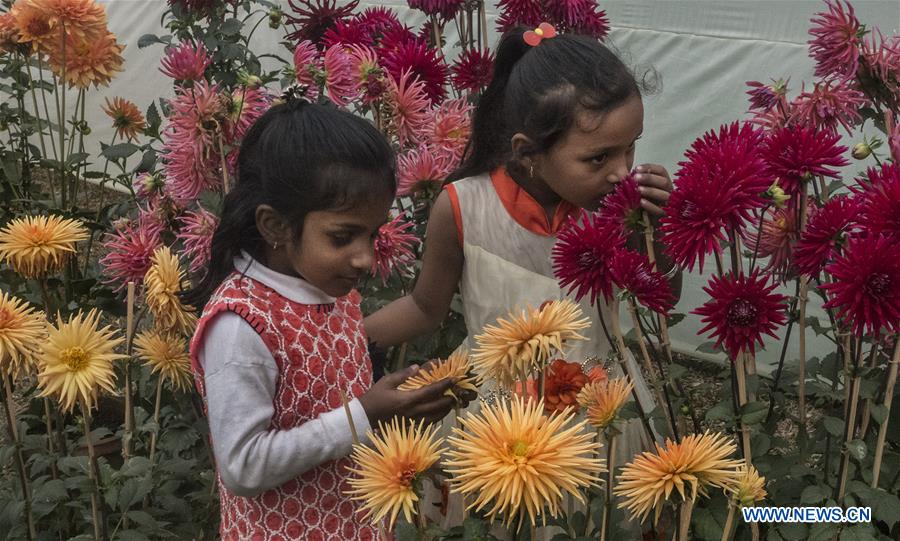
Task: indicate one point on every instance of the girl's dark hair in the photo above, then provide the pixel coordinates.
(298, 158)
(538, 91)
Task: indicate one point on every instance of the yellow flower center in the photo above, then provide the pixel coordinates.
(519, 449)
(75, 358)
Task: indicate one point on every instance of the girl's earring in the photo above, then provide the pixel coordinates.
(531, 170)
(275, 245)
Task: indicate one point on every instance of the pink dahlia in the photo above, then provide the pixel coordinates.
(881, 58)
(837, 36)
(449, 127)
(880, 200)
(622, 207)
(424, 64)
(340, 83)
(190, 150)
(829, 104)
(825, 233)
(741, 310)
(186, 62)
(518, 12)
(312, 18)
(716, 191)
(421, 167)
(866, 285)
(892, 127)
(243, 107)
(473, 70)
(368, 73)
(582, 256)
(197, 228)
(775, 240)
(129, 250)
(633, 272)
(307, 68)
(394, 248)
(407, 109)
(766, 97)
(147, 187)
(798, 154)
(445, 9)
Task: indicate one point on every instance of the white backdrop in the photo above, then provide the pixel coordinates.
(704, 51)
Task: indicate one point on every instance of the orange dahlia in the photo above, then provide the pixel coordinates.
(127, 118)
(455, 366)
(562, 383)
(603, 399)
(93, 61)
(35, 246)
(9, 34)
(22, 331)
(32, 23)
(82, 19)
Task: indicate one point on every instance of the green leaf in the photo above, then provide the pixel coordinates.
(833, 425)
(676, 371)
(53, 490)
(119, 151)
(857, 533)
(674, 318)
(879, 413)
(143, 519)
(231, 27)
(721, 411)
(857, 449)
(133, 491)
(705, 525)
(793, 531)
(753, 412)
(135, 467)
(153, 119)
(813, 494)
(148, 39)
(708, 347)
(404, 531)
(578, 522)
(132, 535)
(887, 509)
(823, 531)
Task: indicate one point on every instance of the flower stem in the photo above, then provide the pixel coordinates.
(687, 508)
(129, 408)
(741, 376)
(729, 522)
(611, 473)
(661, 394)
(94, 472)
(61, 117)
(801, 365)
(852, 398)
(888, 398)
(226, 182)
(623, 352)
(10, 408)
(155, 433)
(50, 448)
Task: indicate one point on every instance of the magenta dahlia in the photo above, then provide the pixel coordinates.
(796, 154)
(312, 18)
(186, 62)
(866, 285)
(717, 188)
(394, 248)
(633, 272)
(880, 200)
(622, 207)
(582, 256)
(445, 9)
(518, 12)
(473, 70)
(775, 240)
(578, 16)
(348, 33)
(825, 233)
(741, 309)
(765, 97)
(129, 249)
(369, 75)
(837, 36)
(424, 64)
(892, 126)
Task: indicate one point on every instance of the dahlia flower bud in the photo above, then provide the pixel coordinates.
(275, 16)
(861, 151)
(776, 195)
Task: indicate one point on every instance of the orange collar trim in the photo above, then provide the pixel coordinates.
(525, 210)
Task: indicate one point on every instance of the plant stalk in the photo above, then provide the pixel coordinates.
(10, 407)
(888, 398)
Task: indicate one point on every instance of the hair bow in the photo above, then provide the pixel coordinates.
(542, 32)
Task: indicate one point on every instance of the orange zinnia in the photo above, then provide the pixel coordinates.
(127, 118)
(562, 384)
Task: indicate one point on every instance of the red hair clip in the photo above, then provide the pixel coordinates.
(542, 32)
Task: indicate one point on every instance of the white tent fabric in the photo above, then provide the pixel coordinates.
(702, 50)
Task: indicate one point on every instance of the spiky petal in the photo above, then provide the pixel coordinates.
(22, 331)
(603, 398)
(825, 234)
(632, 272)
(798, 154)
(581, 256)
(455, 366)
(35, 246)
(186, 62)
(880, 200)
(473, 70)
(837, 36)
(394, 248)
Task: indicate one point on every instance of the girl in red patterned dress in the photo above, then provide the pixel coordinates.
(280, 340)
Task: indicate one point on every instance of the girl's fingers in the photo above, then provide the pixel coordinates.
(652, 209)
(656, 195)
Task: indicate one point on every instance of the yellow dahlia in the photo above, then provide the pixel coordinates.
(386, 476)
(167, 355)
(127, 118)
(517, 463)
(602, 400)
(522, 344)
(700, 460)
(162, 284)
(455, 366)
(35, 246)
(87, 61)
(77, 361)
(22, 331)
(749, 486)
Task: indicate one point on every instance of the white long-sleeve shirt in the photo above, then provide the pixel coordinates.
(240, 375)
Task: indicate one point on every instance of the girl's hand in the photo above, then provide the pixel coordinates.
(655, 186)
(383, 401)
